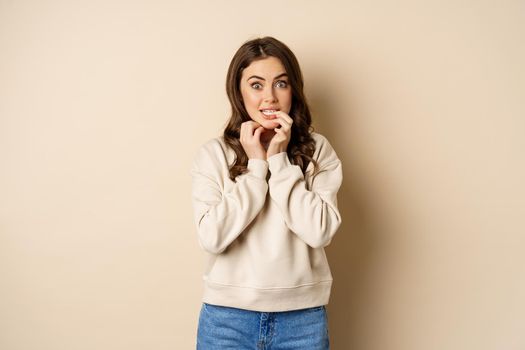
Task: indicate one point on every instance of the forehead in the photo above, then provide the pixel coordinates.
(269, 66)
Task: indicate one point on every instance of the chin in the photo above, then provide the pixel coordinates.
(267, 124)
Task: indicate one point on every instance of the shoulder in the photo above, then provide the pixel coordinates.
(212, 144)
(324, 152)
(209, 152)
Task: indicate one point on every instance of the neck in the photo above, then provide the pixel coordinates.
(267, 136)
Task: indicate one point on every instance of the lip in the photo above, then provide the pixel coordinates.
(268, 109)
(270, 116)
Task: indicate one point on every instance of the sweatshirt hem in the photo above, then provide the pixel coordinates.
(273, 299)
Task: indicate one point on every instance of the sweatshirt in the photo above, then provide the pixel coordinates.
(264, 235)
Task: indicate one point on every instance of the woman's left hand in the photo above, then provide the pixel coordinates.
(283, 133)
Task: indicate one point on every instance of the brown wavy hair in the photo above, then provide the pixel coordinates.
(301, 146)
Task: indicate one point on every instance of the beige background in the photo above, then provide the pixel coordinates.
(102, 104)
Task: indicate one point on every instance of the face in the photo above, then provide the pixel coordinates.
(264, 87)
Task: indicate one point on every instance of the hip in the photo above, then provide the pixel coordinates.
(223, 327)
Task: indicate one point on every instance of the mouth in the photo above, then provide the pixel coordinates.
(269, 113)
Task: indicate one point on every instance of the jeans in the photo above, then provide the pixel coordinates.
(222, 327)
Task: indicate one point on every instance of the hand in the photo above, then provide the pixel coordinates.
(251, 140)
(283, 133)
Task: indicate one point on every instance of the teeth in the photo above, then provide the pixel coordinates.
(269, 111)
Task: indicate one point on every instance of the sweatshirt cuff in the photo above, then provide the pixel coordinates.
(258, 167)
(278, 161)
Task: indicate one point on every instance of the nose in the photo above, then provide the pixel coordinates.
(269, 95)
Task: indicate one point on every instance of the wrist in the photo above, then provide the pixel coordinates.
(278, 162)
(274, 150)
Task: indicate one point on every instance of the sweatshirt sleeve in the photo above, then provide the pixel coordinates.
(221, 216)
(311, 214)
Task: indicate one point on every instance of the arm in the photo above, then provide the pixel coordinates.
(221, 217)
(312, 215)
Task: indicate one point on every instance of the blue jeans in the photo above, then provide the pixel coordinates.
(222, 327)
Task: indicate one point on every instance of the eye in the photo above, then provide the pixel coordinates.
(254, 85)
(283, 83)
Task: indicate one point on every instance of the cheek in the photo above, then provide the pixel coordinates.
(246, 97)
(286, 98)
(251, 101)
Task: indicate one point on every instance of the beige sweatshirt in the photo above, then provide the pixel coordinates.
(264, 235)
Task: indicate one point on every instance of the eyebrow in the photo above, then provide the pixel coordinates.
(258, 77)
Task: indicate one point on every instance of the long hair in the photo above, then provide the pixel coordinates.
(301, 146)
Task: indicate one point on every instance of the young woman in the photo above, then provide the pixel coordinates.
(264, 196)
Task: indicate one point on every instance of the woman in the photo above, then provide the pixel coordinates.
(264, 196)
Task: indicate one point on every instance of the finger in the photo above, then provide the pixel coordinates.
(253, 123)
(254, 126)
(284, 124)
(277, 119)
(285, 116)
(257, 125)
(257, 133)
(280, 135)
(285, 134)
(250, 126)
(243, 132)
(247, 131)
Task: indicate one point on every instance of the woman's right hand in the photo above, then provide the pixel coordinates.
(250, 137)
